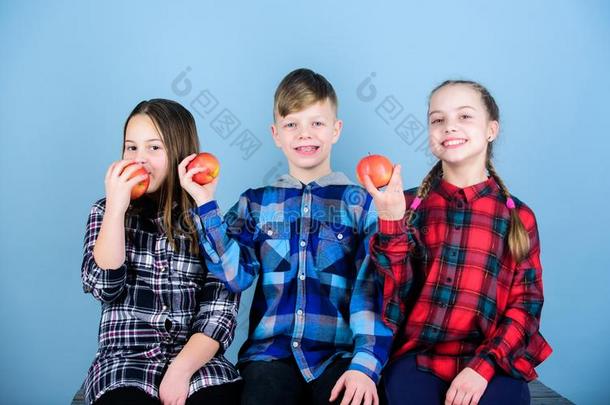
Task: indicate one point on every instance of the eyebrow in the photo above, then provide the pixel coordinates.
(459, 108)
(148, 140)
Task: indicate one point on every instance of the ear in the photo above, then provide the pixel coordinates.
(275, 135)
(493, 129)
(337, 127)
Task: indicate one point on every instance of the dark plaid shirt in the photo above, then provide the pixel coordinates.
(452, 292)
(151, 305)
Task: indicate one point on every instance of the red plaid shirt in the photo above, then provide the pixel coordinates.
(452, 292)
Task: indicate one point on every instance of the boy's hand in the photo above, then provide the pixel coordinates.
(359, 389)
(201, 194)
(174, 388)
(118, 185)
(466, 388)
(390, 204)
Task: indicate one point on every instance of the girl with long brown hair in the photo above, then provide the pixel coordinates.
(165, 321)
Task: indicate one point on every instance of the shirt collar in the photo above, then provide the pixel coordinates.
(470, 193)
(332, 179)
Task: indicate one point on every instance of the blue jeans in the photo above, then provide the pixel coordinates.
(405, 384)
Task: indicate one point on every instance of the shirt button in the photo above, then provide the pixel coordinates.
(162, 269)
(270, 232)
(164, 308)
(295, 344)
(300, 312)
(340, 236)
(449, 279)
(306, 210)
(303, 243)
(458, 227)
(301, 276)
(443, 305)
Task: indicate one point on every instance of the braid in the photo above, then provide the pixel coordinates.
(424, 188)
(518, 239)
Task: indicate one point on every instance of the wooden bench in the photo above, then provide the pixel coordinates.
(540, 393)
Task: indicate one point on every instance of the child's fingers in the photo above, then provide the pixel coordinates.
(348, 395)
(450, 396)
(129, 171)
(396, 179)
(136, 179)
(185, 162)
(189, 175)
(120, 166)
(334, 394)
(109, 171)
(370, 187)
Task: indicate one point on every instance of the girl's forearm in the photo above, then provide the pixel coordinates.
(196, 353)
(109, 249)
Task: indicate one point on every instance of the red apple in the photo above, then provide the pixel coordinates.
(377, 167)
(139, 189)
(207, 161)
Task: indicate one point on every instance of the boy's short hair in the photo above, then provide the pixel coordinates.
(300, 89)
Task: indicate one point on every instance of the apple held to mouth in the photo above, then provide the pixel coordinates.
(206, 161)
(140, 188)
(377, 167)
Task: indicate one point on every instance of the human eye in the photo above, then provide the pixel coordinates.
(436, 120)
(318, 124)
(290, 125)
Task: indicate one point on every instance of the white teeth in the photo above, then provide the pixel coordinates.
(307, 148)
(454, 142)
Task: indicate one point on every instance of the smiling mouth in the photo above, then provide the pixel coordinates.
(453, 143)
(307, 150)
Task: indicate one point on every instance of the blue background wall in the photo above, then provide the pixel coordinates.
(70, 72)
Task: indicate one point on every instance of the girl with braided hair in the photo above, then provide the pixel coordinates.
(459, 258)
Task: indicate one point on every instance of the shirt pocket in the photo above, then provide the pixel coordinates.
(335, 250)
(275, 246)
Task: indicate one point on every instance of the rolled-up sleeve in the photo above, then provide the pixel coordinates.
(104, 284)
(217, 315)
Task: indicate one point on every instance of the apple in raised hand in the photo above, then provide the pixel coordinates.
(377, 167)
(206, 161)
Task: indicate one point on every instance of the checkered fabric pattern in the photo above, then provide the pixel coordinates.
(306, 246)
(151, 305)
(452, 292)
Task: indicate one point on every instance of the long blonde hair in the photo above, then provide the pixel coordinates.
(518, 238)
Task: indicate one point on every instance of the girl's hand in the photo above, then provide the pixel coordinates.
(466, 388)
(118, 185)
(201, 194)
(174, 388)
(390, 204)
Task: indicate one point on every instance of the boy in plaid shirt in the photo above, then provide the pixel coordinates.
(315, 327)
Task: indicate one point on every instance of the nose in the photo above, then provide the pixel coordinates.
(304, 134)
(141, 156)
(449, 126)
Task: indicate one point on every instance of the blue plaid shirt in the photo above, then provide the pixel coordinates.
(316, 297)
